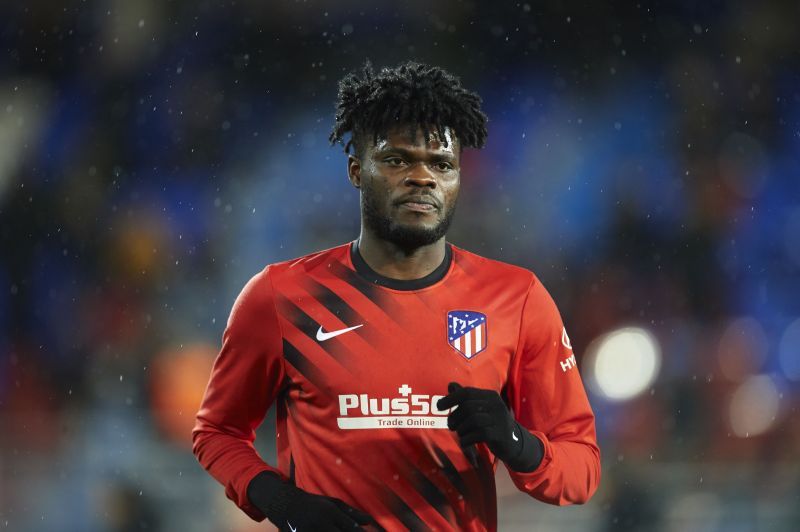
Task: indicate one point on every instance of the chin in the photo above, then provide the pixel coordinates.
(412, 236)
(418, 222)
(420, 229)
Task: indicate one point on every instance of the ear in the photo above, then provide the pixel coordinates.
(354, 170)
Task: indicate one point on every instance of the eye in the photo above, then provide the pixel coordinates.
(443, 166)
(394, 161)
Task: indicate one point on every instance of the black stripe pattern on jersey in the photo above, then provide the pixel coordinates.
(404, 513)
(475, 495)
(450, 471)
(296, 316)
(430, 492)
(337, 306)
(383, 301)
(369, 290)
(309, 327)
(303, 366)
(331, 301)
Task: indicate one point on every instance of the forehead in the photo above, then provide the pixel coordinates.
(401, 137)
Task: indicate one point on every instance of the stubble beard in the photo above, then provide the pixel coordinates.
(406, 237)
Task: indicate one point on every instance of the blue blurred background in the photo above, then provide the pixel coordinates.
(643, 160)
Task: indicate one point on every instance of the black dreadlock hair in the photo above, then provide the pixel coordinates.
(411, 95)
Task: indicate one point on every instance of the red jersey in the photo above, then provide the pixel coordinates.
(357, 362)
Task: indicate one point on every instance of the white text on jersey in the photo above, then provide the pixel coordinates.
(408, 411)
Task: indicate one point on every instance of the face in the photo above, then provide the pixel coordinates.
(408, 189)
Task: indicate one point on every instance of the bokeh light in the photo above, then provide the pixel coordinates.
(21, 117)
(178, 379)
(754, 406)
(623, 363)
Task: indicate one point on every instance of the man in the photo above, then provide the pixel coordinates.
(404, 368)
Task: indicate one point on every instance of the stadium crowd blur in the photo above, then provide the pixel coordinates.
(644, 162)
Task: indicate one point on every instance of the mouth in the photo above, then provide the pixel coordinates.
(419, 204)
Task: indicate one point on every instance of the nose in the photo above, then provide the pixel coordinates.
(419, 175)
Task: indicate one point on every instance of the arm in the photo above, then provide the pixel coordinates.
(546, 393)
(244, 382)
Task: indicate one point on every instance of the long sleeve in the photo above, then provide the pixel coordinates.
(547, 397)
(244, 382)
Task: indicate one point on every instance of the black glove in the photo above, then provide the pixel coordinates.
(482, 416)
(290, 508)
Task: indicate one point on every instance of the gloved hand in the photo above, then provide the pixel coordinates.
(292, 509)
(481, 416)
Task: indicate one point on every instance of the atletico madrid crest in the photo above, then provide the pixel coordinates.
(466, 331)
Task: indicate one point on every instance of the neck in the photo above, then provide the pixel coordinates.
(389, 260)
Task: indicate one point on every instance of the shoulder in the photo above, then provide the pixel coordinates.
(257, 295)
(509, 279)
(304, 264)
(490, 270)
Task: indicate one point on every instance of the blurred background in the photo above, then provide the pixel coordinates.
(643, 160)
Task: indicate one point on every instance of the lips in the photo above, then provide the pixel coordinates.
(419, 202)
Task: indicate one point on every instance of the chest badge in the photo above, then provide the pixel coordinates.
(467, 331)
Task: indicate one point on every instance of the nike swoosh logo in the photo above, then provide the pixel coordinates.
(293, 529)
(322, 335)
(514, 436)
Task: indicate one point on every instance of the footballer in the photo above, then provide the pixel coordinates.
(404, 369)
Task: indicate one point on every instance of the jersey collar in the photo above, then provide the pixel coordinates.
(371, 275)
